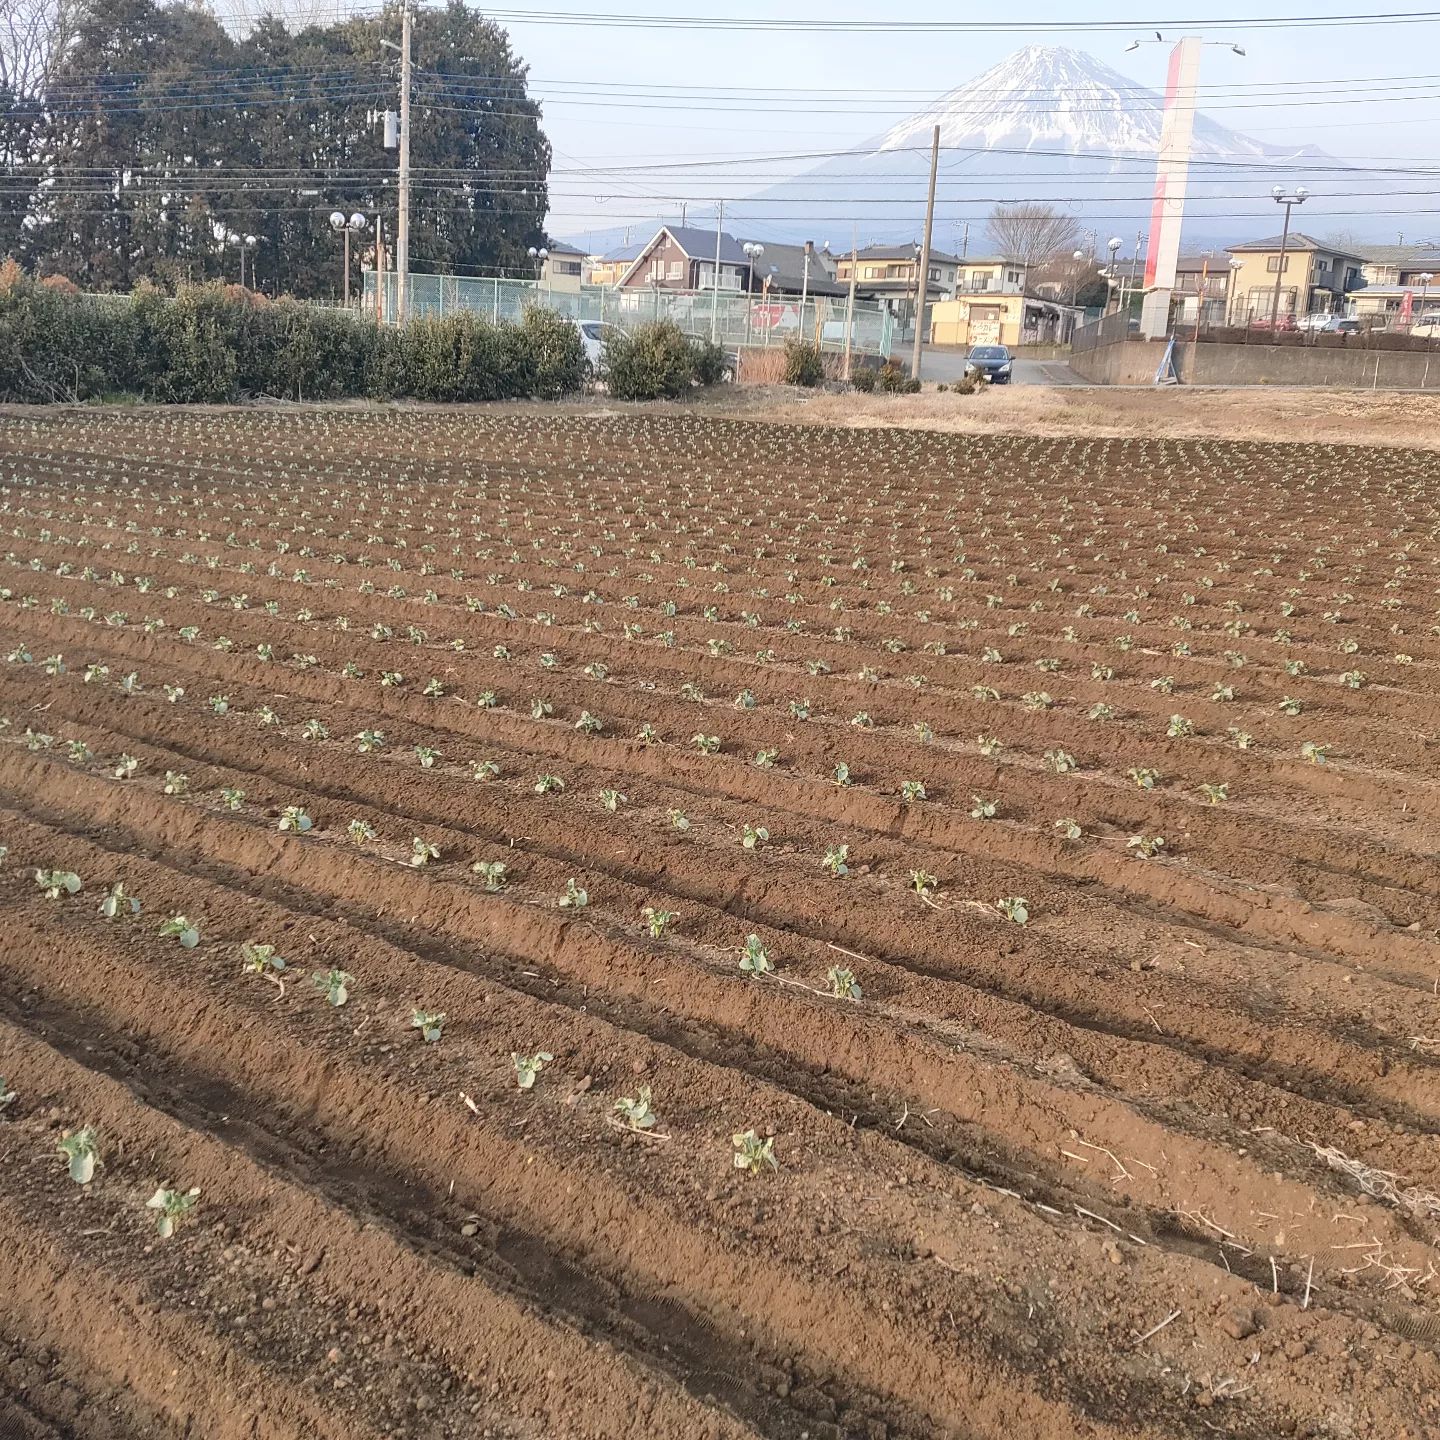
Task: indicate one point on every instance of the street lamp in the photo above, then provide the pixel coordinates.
(1231, 280)
(347, 226)
(1113, 244)
(1078, 257)
(919, 280)
(1289, 199)
(753, 251)
(539, 257)
(1425, 277)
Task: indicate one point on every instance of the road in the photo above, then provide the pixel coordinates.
(949, 366)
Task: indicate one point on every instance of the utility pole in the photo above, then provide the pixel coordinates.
(965, 240)
(715, 291)
(850, 302)
(922, 280)
(1289, 199)
(402, 235)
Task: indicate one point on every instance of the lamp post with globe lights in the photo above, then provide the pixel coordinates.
(1113, 245)
(753, 251)
(1289, 199)
(346, 226)
(538, 256)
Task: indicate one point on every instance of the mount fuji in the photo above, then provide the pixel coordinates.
(1047, 124)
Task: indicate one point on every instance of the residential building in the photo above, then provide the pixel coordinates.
(887, 273)
(680, 257)
(984, 275)
(786, 270)
(1202, 289)
(563, 269)
(1000, 318)
(1312, 275)
(608, 268)
(1397, 291)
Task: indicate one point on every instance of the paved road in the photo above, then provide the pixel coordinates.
(949, 366)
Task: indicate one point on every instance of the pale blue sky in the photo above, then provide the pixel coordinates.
(628, 131)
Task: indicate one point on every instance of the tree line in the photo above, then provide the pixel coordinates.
(140, 140)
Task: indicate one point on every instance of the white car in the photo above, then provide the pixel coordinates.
(593, 335)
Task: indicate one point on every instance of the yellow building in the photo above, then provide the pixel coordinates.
(1313, 277)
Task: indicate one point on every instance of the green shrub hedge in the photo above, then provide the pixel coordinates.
(658, 361)
(219, 344)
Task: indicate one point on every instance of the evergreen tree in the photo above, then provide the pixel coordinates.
(168, 140)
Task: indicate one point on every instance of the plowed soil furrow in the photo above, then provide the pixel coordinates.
(926, 1079)
(1318, 1059)
(1158, 1160)
(1189, 893)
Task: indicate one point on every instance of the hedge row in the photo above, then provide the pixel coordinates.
(217, 344)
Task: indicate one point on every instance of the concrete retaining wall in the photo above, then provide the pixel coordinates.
(1134, 362)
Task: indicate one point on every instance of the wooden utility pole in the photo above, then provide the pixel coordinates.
(923, 278)
(850, 304)
(402, 234)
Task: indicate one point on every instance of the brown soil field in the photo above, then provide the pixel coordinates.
(544, 722)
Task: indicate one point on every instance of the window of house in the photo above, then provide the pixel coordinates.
(873, 272)
(567, 267)
(1012, 276)
(980, 279)
(676, 269)
(1273, 265)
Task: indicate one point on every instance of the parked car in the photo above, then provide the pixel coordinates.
(989, 362)
(1324, 323)
(593, 335)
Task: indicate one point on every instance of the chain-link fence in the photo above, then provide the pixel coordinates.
(733, 319)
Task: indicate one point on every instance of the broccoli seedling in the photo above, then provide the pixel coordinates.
(1146, 846)
(834, 861)
(1215, 794)
(911, 790)
(1015, 908)
(544, 784)
(293, 817)
(82, 1150)
(234, 799)
(170, 1206)
(574, 897)
(842, 983)
(335, 983)
(766, 759)
(612, 800)
(528, 1067)
(705, 744)
(429, 1023)
(368, 741)
(923, 881)
(753, 959)
(754, 836)
(261, 959)
(181, 929)
(753, 1154)
(656, 921)
(56, 883)
(7, 1095)
(125, 767)
(483, 769)
(422, 852)
(1312, 752)
(117, 902)
(427, 755)
(1068, 829)
(635, 1110)
(679, 820)
(493, 872)
(983, 809)
(360, 831)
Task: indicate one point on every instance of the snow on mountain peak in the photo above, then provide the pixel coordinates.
(1051, 97)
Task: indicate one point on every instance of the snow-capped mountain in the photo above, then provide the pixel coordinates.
(1048, 124)
(1051, 97)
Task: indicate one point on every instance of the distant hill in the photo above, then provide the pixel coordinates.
(1050, 124)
